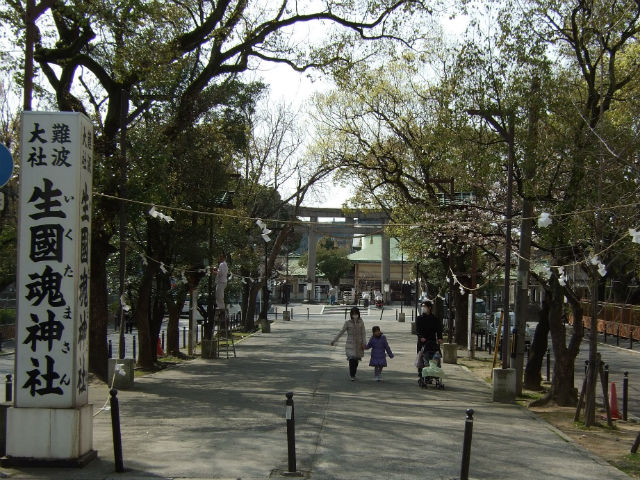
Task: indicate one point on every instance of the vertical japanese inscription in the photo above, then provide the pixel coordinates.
(55, 233)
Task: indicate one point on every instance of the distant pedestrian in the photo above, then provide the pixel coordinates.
(332, 295)
(379, 350)
(356, 338)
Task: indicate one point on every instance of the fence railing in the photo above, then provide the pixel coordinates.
(613, 318)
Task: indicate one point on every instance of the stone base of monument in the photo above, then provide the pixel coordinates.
(209, 349)
(504, 385)
(450, 352)
(49, 437)
(121, 382)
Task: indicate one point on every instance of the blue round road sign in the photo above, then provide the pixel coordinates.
(6, 165)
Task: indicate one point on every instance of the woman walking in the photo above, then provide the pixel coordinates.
(356, 340)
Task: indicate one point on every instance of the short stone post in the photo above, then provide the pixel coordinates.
(450, 353)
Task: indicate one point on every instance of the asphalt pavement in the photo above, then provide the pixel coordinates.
(225, 418)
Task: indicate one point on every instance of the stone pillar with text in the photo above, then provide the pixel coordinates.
(51, 421)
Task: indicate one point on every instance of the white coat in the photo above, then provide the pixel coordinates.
(356, 338)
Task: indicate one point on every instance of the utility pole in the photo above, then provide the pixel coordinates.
(124, 108)
(507, 249)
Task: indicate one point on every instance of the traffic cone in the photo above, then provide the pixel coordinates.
(159, 350)
(615, 414)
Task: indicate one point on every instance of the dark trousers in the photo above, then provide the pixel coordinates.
(353, 366)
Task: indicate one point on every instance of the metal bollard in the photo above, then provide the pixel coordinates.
(466, 446)
(184, 337)
(8, 389)
(412, 315)
(291, 432)
(605, 333)
(625, 395)
(307, 313)
(396, 314)
(134, 347)
(163, 340)
(618, 336)
(606, 374)
(276, 313)
(631, 337)
(548, 364)
(110, 349)
(115, 428)
(197, 334)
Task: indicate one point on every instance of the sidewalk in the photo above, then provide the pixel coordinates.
(224, 419)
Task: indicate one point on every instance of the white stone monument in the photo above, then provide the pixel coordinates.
(51, 421)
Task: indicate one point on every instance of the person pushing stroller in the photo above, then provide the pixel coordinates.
(429, 331)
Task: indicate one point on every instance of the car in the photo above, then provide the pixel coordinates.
(481, 318)
(529, 328)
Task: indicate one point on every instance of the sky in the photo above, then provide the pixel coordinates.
(297, 88)
(291, 87)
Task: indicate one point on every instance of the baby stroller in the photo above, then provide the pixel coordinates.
(431, 373)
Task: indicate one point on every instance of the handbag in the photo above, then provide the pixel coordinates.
(420, 359)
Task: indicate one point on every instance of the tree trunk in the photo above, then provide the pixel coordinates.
(562, 390)
(522, 288)
(248, 303)
(173, 322)
(594, 362)
(537, 351)
(98, 351)
(253, 294)
(146, 354)
(158, 312)
(461, 321)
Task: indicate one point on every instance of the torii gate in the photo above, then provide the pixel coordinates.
(315, 230)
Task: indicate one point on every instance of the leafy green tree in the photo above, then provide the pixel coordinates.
(568, 139)
(115, 61)
(399, 138)
(331, 261)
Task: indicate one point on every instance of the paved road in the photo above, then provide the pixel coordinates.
(620, 359)
(224, 419)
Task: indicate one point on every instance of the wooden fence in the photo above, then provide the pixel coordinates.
(616, 318)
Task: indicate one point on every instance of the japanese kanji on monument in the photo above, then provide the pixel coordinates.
(53, 288)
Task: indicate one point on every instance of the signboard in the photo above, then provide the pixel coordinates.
(53, 260)
(6, 165)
